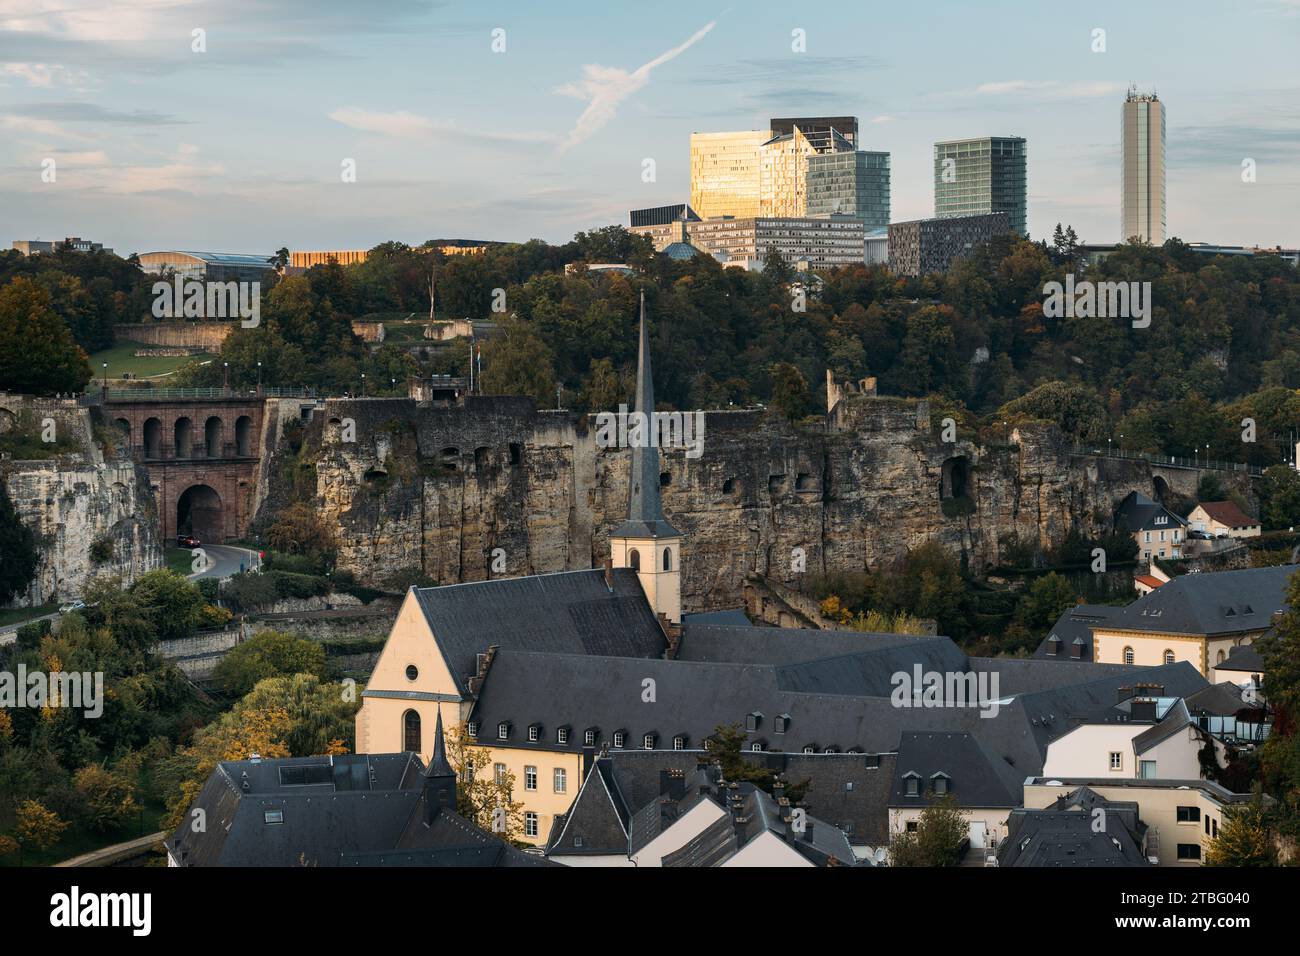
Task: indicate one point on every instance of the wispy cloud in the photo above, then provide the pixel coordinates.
(1041, 89)
(605, 87)
(403, 125)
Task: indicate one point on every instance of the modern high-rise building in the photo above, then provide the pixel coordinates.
(783, 174)
(818, 128)
(725, 173)
(1142, 210)
(932, 245)
(974, 177)
(850, 184)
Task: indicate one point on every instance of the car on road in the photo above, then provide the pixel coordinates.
(187, 541)
(72, 606)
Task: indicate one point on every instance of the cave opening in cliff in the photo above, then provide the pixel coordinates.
(1160, 487)
(956, 478)
(198, 513)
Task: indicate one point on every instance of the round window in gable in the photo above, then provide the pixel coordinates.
(412, 672)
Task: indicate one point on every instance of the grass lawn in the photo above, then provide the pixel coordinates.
(18, 615)
(76, 841)
(121, 358)
(180, 560)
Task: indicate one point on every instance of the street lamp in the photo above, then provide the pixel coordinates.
(225, 376)
(103, 379)
(363, 384)
(259, 378)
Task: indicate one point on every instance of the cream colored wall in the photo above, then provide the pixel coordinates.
(1157, 807)
(1177, 758)
(379, 721)
(687, 827)
(994, 819)
(1173, 549)
(1085, 751)
(663, 589)
(1208, 524)
(577, 862)
(543, 801)
(1148, 649)
(768, 849)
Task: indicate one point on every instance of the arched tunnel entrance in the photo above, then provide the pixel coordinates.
(198, 512)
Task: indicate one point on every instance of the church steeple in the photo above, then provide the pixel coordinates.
(439, 778)
(645, 516)
(646, 542)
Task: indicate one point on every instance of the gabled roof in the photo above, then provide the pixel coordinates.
(571, 612)
(1228, 513)
(597, 821)
(1209, 603)
(1243, 657)
(1064, 834)
(1074, 626)
(976, 777)
(1176, 718)
(1217, 700)
(749, 644)
(1137, 512)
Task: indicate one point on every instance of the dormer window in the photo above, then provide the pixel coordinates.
(471, 728)
(648, 742)
(912, 784)
(503, 730)
(780, 723)
(939, 784)
(620, 737)
(562, 735)
(679, 742)
(872, 761)
(756, 747)
(810, 749)
(273, 816)
(534, 732)
(752, 721)
(1053, 645)
(589, 737)
(831, 750)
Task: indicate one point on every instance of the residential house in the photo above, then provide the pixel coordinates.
(1078, 829)
(1159, 532)
(1223, 519)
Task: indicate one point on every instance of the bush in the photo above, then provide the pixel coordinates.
(101, 552)
(247, 592)
(267, 654)
(29, 635)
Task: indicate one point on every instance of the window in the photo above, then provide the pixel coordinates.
(1148, 537)
(534, 733)
(913, 785)
(940, 784)
(1214, 825)
(634, 559)
(589, 738)
(561, 780)
(756, 747)
(872, 761)
(619, 737)
(472, 728)
(1189, 851)
(562, 735)
(411, 731)
(499, 773)
(412, 672)
(810, 749)
(530, 778)
(1189, 814)
(912, 826)
(648, 742)
(273, 816)
(503, 730)
(1219, 658)
(530, 824)
(1169, 656)
(753, 720)
(780, 723)
(1147, 769)
(1128, 655)
(679, 742)
(668, 559)
(1207, 826)
(1116, 760)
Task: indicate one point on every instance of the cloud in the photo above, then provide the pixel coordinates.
(71, 112)
(404, 125)
(605, 87)
(1042, 89)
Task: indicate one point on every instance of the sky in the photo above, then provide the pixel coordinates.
(514, 120)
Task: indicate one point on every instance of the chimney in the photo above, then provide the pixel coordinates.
(672, 784)
(778, 790)
(482, 663)
(807, 829)
(1142, 709)
(609, 573)
(672, 633)
(1151, 690)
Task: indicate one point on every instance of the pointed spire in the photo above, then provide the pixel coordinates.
(645, 516)
(438, 764)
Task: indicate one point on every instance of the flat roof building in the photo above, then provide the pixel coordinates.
(932, 245)
(980, 176)
(29, 246)
(208, 266)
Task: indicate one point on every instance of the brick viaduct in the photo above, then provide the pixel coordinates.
(202, 456)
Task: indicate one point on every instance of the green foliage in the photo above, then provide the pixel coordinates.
(25, 441)
(1046, 599)
(267, 654)
(519, 362)
(38, 354)
(1076, 409)
(1279, 497)
(101, 551)
(1245, 837)
(790, 391)
(937, 840)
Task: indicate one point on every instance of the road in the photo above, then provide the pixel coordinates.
(225, 560)
(9, 632)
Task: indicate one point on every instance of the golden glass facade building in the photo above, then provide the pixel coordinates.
(725, 173)
(975, 177)
(1142, 210)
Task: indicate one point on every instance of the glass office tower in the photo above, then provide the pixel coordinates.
(725, 173)
(850, 184)
(981, 176)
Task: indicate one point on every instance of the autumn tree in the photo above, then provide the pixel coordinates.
(38, 354)
(1245, 838)
(107, 800)
(484, 795)
(300, 530)
(38, 826)
(937, 839)
(266, 654)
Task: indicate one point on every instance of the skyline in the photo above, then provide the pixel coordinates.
(242, 153)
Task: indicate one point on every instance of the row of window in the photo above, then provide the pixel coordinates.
(1129, 656)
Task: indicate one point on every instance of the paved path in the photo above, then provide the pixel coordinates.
(119, 851)
(9, 632)
(226, 560)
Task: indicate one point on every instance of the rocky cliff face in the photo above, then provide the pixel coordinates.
(441, 489)
(75, 501)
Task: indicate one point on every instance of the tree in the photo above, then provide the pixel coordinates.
(267, 654)
(1077, 409)
(172, 604)
(790, 391)
(107, 800)
(1043, 603)
(300, 530)
(483, 796)
(37, 351)
(519, 363)
(1279, 497)
(937, 839)
(1244, 839)
(38, 826)
(18, 545)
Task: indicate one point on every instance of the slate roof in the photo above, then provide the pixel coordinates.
(976, 777)
(1210, 603)
(1074, 626)
(749, 644)
(1243, 657)
(596, 823)
(570, 612)
(351, 810)
(1228, 513)
(728, 617)
(1175, 719)
(1218, 700)
(1062, 834)
(1137, 512)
